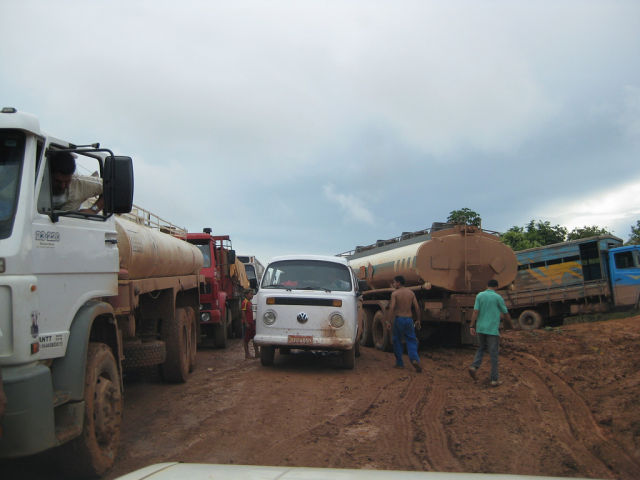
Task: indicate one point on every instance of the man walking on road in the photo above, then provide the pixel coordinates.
(488, 309)
(402, 299)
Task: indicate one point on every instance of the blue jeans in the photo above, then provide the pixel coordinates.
(490, 344)
(403, 327)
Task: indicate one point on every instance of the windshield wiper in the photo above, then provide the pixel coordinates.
(316, 288)
(278, 285)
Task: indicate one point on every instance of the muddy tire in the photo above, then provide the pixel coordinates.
(236, 319)
(366, 339)
(143, 354)
(193, 338)
(381, 335)
(176, 366)
(94, 451)
(220, 332)
(530, 320)
(349, 358)
(267, 354)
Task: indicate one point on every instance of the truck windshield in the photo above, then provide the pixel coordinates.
(206, 254)
(11, 157)
(307, 275)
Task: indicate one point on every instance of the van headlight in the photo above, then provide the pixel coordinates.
(269, 317)
(336, 320)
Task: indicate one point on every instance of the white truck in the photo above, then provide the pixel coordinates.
(307, 302)
(84, 295)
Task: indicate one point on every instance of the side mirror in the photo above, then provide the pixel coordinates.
(231, 257)
(253, 284)
(118, 184)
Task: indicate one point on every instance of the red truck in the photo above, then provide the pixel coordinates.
(221, 288)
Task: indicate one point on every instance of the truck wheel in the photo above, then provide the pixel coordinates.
(366, 339)
(193, 338)
(143, 354)
(220, 330)
(381, 335)
(176, 366)
(236, 322)
(349, 358)
(267, 354)
(530, 320)
(94, 451)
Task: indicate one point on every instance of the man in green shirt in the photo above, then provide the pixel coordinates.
(488, 310)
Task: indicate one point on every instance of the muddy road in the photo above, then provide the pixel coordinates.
(568, 406)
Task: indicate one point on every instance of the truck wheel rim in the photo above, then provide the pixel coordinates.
(105, 412)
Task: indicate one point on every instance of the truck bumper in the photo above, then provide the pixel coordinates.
(28, 424)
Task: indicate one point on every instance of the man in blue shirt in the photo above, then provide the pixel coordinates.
(488, 310)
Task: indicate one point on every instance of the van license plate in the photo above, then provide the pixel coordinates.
(300, 340)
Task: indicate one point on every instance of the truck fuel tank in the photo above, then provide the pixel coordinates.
(147, 252)
(459, 259)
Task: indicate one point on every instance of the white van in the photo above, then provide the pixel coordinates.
(307, 302)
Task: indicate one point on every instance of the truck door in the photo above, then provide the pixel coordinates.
(75, 258)
(624, 263)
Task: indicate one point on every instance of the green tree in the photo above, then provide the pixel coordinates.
(464, 216)
(543, 233)
(534, 234)
(635, 234)
(587, 231)
(517, 239)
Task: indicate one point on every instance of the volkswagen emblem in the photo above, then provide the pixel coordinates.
(302, 317)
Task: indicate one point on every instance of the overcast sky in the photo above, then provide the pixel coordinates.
(313, 127)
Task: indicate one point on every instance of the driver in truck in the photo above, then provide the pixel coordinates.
(71, 190)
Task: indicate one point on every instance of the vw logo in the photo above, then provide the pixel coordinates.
(302, 317)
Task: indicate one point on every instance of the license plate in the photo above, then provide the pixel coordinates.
(300, 339)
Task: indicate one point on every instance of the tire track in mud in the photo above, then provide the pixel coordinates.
(571, 420)
(428, 416)
(399, 425)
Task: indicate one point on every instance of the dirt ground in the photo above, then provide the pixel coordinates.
(568, 406)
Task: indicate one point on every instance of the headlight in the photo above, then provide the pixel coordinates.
(269, 317)
(336, 320)
(205, 317)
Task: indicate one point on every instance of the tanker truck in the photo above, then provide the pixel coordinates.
(445, 266)
(84, 294)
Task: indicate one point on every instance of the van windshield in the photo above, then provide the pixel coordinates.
(307, 275)
(11, 156)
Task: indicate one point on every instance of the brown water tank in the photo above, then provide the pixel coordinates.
(146, 252)
(458, 259)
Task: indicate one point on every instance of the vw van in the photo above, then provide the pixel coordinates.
(307, 302)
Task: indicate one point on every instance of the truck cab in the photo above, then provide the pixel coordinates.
(624, 275)
(54, 263)
(307, 302)
(220, 296)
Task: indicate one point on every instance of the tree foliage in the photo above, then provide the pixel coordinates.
(539, 233)
(635, 234)
(587, 231)
(534, 234)
(464, 216)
